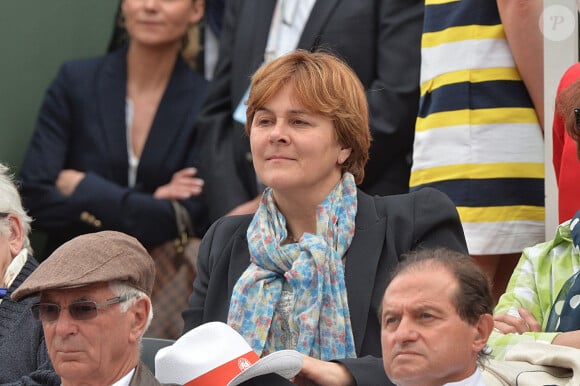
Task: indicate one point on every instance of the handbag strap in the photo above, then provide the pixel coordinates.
(184, 225)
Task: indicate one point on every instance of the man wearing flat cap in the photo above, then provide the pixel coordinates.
(94, 307)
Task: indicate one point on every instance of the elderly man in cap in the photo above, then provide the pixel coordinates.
(23, 356)
(94, 307)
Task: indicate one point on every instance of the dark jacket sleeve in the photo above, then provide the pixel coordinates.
(225, 187)
(393, 95)
(223, 256)
(436, 222)
(193, 316)
(367, 370)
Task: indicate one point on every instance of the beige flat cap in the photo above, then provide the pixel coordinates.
(92, 258)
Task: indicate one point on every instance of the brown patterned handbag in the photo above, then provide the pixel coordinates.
(175, 264)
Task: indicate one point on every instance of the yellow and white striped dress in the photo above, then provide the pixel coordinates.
(477, 136)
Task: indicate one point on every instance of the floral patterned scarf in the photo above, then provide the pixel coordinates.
(312, 267)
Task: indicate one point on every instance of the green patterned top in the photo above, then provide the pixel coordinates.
(535, 283)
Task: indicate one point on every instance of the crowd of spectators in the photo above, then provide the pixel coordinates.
(366, 179)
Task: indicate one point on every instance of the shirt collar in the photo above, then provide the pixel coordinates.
(15, 267)
(126, 380)
(474, 380)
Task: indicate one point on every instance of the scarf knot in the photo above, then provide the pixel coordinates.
(312, 268)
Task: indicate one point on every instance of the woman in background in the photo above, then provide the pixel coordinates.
(307, 271)
(113, 144)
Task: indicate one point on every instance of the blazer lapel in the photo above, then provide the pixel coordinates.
(111, 94)
(318, 18)
(264, 10)
(240, 257)
(169, 122)
(367, 244)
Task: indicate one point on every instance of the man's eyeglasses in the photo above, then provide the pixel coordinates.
(577, 116)
(84, 310)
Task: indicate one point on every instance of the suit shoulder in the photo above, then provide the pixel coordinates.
(189, 78)
(227, 226)
(399, 203)
(78, 66)
(420, 194)
(430, 194)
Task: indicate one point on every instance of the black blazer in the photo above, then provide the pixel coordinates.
(82, 126)
(386, 227)
(379, 39)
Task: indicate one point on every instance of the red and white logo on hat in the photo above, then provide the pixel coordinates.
(243, 364)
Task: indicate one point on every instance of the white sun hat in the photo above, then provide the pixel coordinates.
(216, 354)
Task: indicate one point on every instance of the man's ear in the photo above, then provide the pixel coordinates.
(140, 311)
(16, 234)
(483, 329)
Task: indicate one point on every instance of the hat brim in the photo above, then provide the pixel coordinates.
(286, 363)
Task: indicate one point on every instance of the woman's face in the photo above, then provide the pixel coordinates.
(295, 150)
(160, 22)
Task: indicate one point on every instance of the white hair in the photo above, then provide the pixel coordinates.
(121, 288)
(10, 202)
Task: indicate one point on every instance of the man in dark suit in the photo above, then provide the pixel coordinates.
(379, 39)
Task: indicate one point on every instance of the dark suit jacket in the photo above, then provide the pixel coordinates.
(23, 355)
(386, 227)
(379, 39)
(82, 126)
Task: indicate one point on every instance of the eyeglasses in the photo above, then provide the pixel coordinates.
(84, 310)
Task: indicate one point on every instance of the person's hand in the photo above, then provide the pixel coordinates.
(249, 207)
(182, 186)
(569, 338)
(507, 324)
(322, 373)
(68, 180)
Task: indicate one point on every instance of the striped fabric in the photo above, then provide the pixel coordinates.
(477, 137)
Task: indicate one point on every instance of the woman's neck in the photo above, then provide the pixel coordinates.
(300, 215)
(299, 207)
(149, 68)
